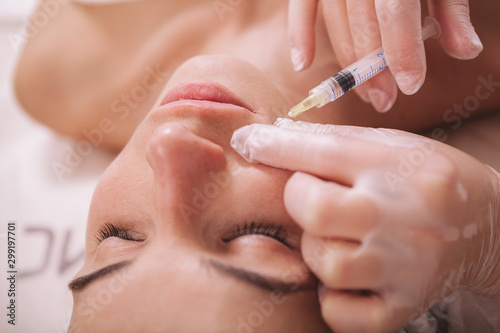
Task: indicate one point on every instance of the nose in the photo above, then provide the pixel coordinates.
(189, 172)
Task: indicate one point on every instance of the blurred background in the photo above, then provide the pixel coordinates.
(49, 210)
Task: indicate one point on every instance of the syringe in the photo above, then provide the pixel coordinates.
(354, 75)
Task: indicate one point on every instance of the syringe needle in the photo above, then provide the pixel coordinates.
(277, 122)
(308, 103)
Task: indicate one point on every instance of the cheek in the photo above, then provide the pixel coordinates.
(123, 189)
(261, 189)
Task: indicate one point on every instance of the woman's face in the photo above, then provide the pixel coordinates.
(183, 234)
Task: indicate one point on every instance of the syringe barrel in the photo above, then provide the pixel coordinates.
(352, 76)
(367, 67)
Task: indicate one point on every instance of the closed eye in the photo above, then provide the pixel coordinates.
(109, 230)
(265, 229)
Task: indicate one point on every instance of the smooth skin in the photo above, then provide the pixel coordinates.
(182, 193)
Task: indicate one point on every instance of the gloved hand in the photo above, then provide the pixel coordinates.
(356, 28)
(392, 221)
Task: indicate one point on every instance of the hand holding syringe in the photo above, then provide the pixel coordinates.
(354, 75)
(355, 28)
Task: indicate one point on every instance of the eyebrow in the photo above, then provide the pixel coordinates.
(261, 281)
(81, 282)
(250, 277)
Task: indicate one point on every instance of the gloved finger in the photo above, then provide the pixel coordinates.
(458, 37)
(381, 89)
(401, 30)
(340, 265)
(301, 22)
(339, 33)
(385, 136)
(335, 157)
(328, 209)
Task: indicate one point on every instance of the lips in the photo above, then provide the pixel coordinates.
(203, 91)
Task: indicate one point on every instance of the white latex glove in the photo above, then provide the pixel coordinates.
(392, 221)
(357, 27)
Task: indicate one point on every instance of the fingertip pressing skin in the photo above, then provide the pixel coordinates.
(239, 142)
(258, 143)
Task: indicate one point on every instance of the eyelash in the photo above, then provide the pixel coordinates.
(271, 230)
(109, 230)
